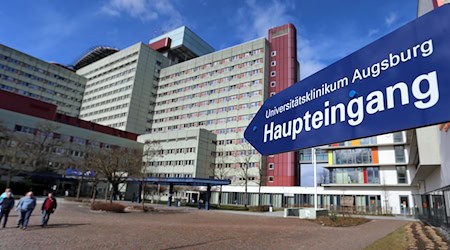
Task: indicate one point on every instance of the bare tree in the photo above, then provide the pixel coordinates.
(152, 149)
(12, 148)
(246, 160)
(262, 177)
(82, 158)
(220, 169)
(116, 164)
(43, 148)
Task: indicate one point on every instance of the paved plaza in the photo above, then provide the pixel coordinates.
(76, 227)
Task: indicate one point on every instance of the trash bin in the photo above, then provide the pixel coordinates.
(270, 209)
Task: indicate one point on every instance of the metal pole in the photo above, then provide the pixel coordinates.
(313, 151)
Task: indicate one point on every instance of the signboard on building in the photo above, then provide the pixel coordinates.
(401, 81)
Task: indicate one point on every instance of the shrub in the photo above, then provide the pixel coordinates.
(109, 207)
(333, 217)
(139, 208)
(259, 209)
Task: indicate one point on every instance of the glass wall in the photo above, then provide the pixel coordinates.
(306, 155)
(354, 175)
(352, 156)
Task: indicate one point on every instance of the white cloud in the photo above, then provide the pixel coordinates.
(372, 32)
(255, 19)
(309, 57)
(145, 10)
(391, 19)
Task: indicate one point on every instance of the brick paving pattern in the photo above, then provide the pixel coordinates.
(76, 227)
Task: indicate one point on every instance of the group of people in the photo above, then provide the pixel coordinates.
(25, 208)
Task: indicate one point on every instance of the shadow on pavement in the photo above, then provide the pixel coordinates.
(61, 225)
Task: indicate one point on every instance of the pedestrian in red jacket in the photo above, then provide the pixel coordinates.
(48, 207)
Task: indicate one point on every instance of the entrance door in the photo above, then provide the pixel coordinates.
(404, 205)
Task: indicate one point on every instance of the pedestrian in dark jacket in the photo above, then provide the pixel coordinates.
(48, 207)
(7, 205)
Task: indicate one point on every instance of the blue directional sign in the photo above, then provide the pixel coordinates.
(398, 82)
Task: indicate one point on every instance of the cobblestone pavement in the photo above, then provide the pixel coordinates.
(76, 227)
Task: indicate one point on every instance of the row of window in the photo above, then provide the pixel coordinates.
(112, 100)
(213, 73)
(38, 88)
(170, 163)
(40, 70)
(121, 106)
(236, 165)
(202, 85)
(370, 175)
(222, 61)
(233, 77)
(175, 139)
(363, 155)
(175, 151)
(61, 137)
(115, 69)
(211, 101)
(35, 78)
(204, 123)
(112, 92)
(110, 117)
(126, 72)
(116, 125)
(212, 112)
(235, 153)
(111, 63)
(168, 175)
(199, 124)
(109, 85)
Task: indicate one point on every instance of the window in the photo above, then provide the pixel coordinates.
(273, 84)
(273, 73)
(273, 93)
(352, 156)
(273, 53)
(399, 154)
(398, 137)
(270, 178)
(353, 175)
(401, 174)
(273, 63)
(271, 165)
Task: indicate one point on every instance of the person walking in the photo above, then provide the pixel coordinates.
(48, 207)
(7, 205)
(4, 194)
(25, 207)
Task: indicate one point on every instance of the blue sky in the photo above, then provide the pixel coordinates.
(62, 31)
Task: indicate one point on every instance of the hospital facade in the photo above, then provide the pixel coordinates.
(196, 103)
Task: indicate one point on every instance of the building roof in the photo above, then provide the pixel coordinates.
(94, 55)
(36, 108)
(183, 42)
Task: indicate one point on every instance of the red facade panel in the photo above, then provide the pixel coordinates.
(32, 107)
(162, 44)
(28, 106)
(283, 72)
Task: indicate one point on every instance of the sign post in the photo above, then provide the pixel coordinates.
(314, 160)
(401, 81)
